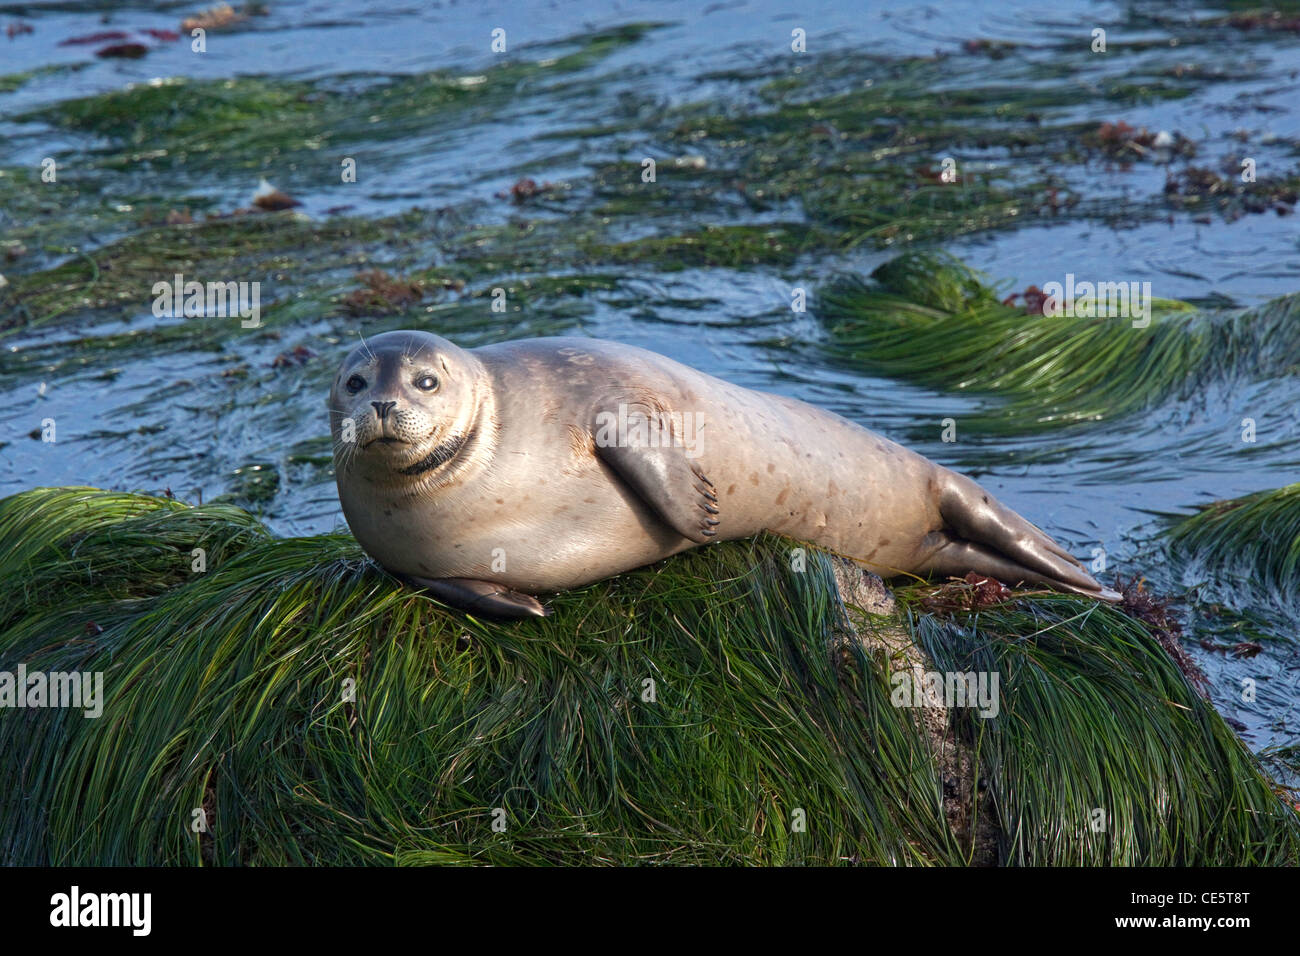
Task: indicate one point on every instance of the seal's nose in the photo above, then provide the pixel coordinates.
(383, 408)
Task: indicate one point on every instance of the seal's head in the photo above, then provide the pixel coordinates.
(405, 409)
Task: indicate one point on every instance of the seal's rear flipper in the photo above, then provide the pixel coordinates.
(480, 597)
(988, 537)
(957, 558)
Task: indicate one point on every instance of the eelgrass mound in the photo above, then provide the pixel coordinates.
(1253, 541)
(932, 320)
(702, 710)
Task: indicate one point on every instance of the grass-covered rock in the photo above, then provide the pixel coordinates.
(718, 707)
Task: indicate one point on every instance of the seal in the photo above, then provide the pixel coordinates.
(491, 475)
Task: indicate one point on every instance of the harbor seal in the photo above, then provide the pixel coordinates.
(494, 474)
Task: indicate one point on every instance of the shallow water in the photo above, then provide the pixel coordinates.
(153, 416)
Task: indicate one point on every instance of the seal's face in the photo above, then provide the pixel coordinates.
(403, 407)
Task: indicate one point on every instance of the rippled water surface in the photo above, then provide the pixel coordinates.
(149, 404)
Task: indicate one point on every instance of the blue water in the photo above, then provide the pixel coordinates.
(1091, 488)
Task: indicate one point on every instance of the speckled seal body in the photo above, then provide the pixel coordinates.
(544, 464)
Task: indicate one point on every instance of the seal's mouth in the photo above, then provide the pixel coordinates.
(442, 453)
(385, 440)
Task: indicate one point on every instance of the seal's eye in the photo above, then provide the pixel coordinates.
(426, 383)
(355, 384)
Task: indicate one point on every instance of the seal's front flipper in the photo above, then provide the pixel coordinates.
(480, 597)
(656, 465)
